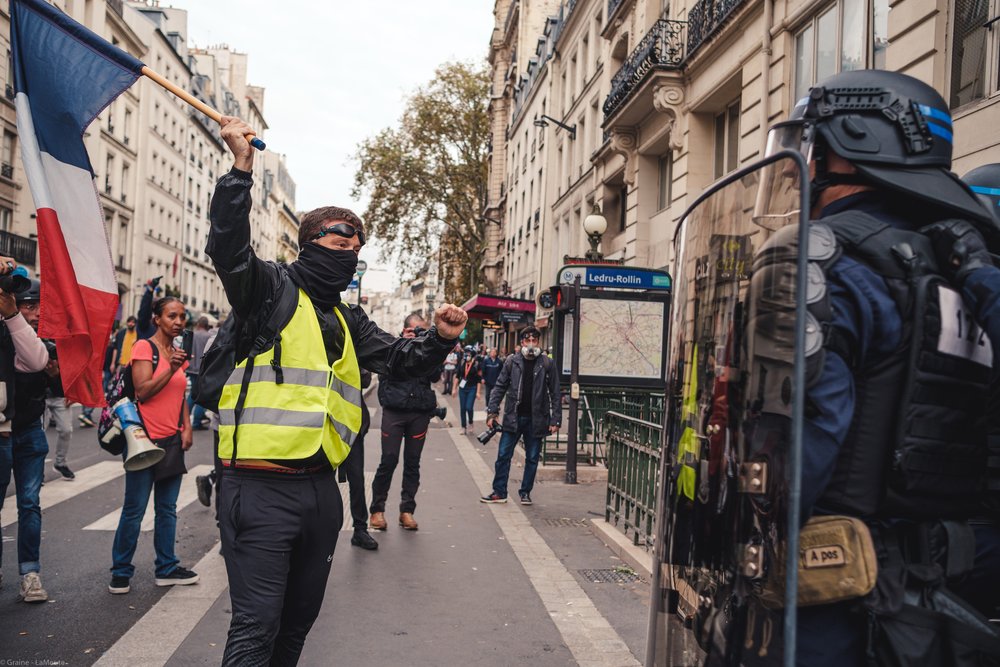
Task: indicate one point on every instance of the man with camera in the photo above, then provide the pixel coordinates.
(531, 384)
(407, 407)
(23, 447)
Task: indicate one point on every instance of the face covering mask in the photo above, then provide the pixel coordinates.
(324, 273)
(530, 352)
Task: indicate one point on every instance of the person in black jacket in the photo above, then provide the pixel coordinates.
(280, 514)
(407, 406)
(353, 471)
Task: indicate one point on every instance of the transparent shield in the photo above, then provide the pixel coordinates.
(729, 437)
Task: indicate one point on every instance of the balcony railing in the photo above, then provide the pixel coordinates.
(9, 93)
(661, 48)
(20, 248)
(7, 170)
(612, 6)
(705, 19)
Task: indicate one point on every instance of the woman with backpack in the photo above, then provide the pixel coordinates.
(158, 374)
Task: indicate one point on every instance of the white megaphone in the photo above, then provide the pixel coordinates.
(140, 452)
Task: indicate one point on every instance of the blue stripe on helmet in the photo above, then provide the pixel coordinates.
(940, 131)
(991, 192)
(936, 114)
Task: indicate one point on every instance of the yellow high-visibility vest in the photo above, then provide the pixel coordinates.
(297, 404)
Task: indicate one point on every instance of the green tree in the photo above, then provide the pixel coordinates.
(426, 179)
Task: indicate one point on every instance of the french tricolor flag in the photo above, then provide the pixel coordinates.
(64, 75)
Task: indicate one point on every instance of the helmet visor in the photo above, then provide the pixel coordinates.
(791, 135)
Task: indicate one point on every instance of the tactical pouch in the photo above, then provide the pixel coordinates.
(837, 561)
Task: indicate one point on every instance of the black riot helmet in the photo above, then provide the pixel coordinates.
(985, 182)
(897, 132)
(31, 295)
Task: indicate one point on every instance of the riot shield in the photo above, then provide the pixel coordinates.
(727, 510)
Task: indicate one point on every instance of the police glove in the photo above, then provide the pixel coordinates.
(959, 247)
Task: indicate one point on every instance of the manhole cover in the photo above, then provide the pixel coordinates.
(567, 523)
(612, 576)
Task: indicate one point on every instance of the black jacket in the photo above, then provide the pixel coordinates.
(251, 284)
(408, 394)
(546, 408)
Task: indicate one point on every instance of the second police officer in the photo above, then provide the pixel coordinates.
(893, 431)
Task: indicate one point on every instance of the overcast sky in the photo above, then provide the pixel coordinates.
(337, 72)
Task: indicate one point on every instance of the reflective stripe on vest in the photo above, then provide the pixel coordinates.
(316, 406)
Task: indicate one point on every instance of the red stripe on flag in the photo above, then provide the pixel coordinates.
(79, 318)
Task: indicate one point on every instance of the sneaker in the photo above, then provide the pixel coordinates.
(204, 486)
(362, 539)
(65, 471)
(119, 585)
(31, 588)
(492, 498)
(181, 576)
(525, 498)
(86, 421)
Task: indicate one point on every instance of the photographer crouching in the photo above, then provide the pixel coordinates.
(407, 407)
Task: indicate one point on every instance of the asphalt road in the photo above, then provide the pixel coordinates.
(493, 585)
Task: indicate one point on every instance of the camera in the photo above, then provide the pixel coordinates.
(419, 331)
(440, 412)
(488, 434)
(15, 282)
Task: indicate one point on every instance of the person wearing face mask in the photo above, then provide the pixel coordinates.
(529, 381)
(290, 413)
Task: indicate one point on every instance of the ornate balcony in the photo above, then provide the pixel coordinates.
(661, 49)
(706, 18)
(7, 170)
(20, 248)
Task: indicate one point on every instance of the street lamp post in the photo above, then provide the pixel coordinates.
(594, 225)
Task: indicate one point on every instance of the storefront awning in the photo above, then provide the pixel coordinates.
(488, 306)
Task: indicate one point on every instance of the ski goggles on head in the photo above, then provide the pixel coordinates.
(340, 229)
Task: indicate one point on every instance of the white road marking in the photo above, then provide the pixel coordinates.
(188, 495)
(588, 635)
(345, 494)
(58, 490)
(162, 629)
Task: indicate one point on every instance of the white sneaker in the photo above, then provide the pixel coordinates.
(31, 588)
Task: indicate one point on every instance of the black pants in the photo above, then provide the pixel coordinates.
(395, 427)
(278, 536)
(353, 468)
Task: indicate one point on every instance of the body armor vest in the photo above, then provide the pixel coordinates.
(916, 447)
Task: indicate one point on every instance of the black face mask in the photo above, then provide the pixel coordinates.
(324, 273)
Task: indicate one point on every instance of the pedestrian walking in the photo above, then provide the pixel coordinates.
(58, 410)
(353, 470)
(407, 407)
(23, 446)
(450, 364)
(470, 381)
(159, 393)
(530, 384)
(492, 365)
(290, 413)
(198, 339)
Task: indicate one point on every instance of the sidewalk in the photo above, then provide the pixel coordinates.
(486, 584)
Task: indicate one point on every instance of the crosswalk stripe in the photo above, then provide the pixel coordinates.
(58, 491)
(187, 495)
(345, 494)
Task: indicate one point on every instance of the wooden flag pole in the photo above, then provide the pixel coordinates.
(195, 102)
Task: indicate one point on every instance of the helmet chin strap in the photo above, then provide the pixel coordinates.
(825, 178)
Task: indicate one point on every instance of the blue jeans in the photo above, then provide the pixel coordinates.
(532, 451)
(197, 412)
(23, 453)
(467, 404)
(138, 486)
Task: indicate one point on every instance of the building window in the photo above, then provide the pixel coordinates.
(727, 139)
(845, 36)
(6, 218)
(8, 148)
(664, 177)
(972, 41)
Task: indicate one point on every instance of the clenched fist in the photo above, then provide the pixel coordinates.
(450, 321)
(234, 133)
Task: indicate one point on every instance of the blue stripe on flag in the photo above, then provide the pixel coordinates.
(68, 73)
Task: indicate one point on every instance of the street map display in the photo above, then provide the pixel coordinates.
(618, 338)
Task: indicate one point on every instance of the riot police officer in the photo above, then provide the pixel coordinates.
(890, 433)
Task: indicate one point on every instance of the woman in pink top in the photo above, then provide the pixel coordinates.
(164, 412)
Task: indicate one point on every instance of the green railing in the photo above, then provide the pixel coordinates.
(633, 456)
(595, 402)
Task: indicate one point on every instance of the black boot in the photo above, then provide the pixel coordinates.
(362, 539)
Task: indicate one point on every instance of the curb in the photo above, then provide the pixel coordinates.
(638, 558)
